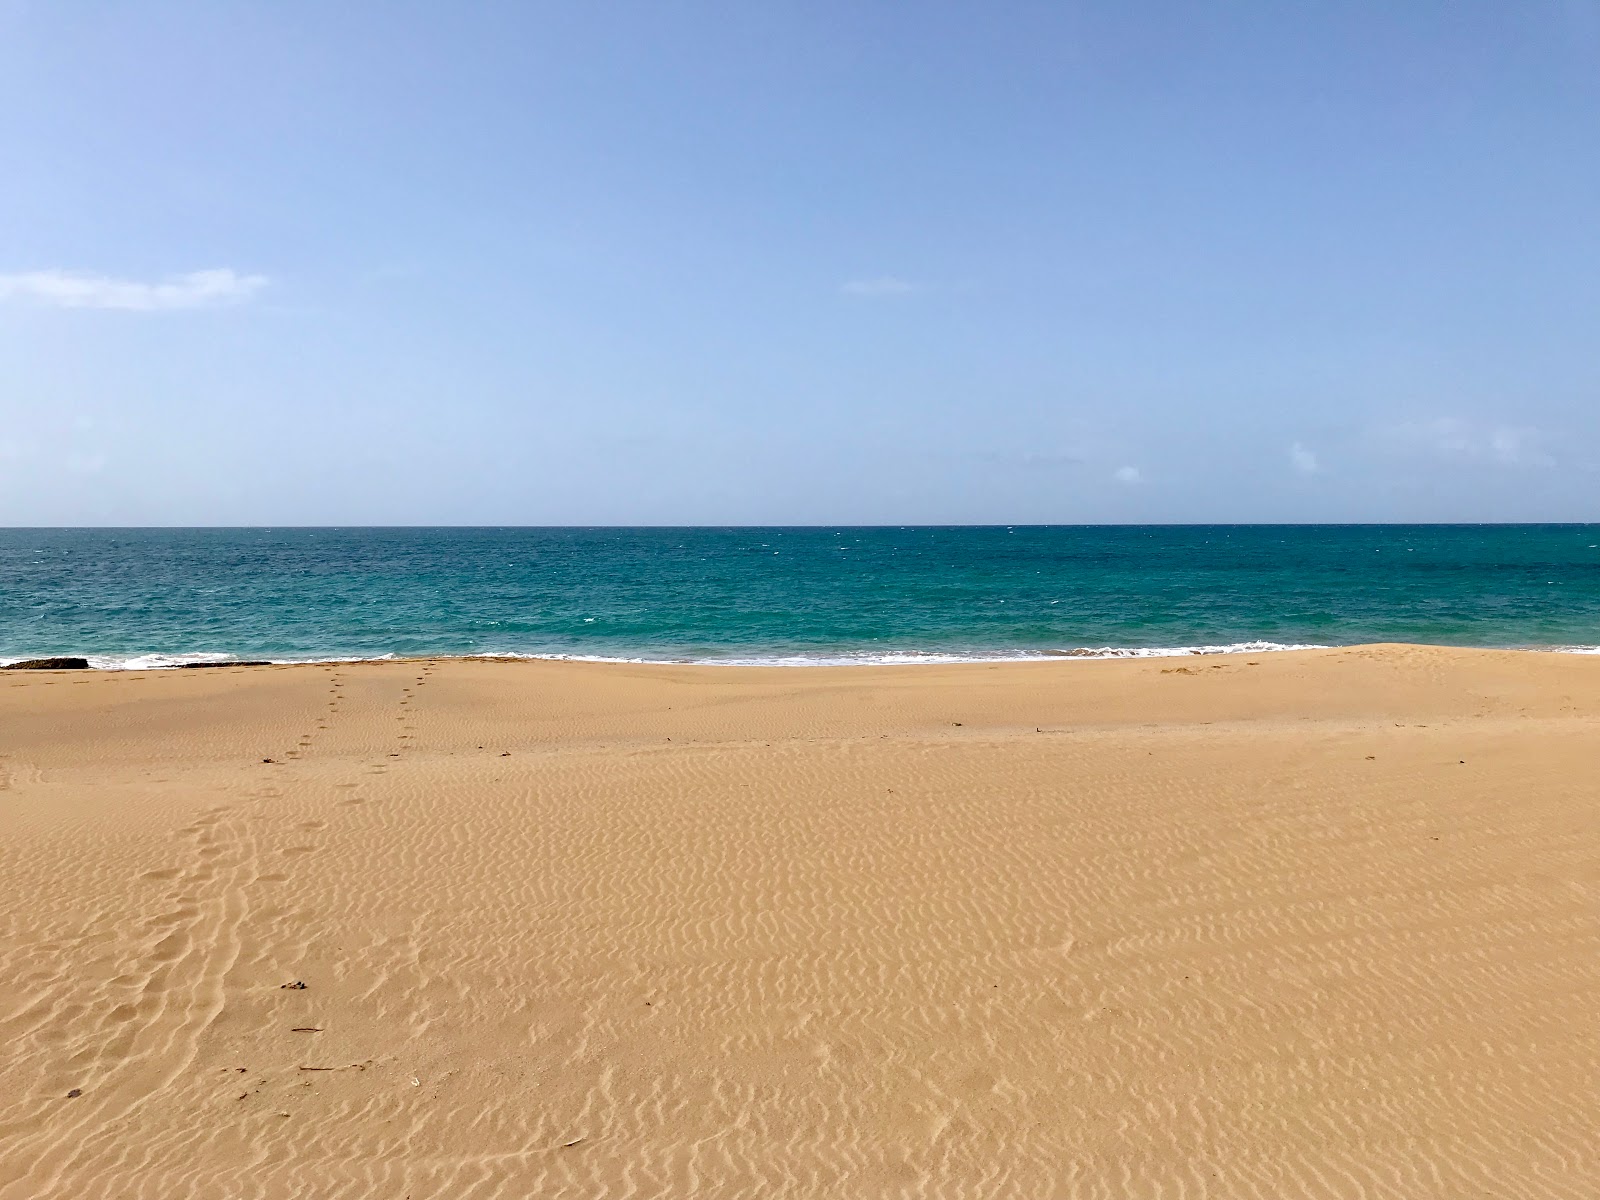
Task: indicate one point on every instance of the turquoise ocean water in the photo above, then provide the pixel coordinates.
(155, 597)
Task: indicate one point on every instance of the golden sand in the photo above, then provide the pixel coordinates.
(1311, 924)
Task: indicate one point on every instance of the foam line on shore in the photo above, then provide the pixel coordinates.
(154, 661)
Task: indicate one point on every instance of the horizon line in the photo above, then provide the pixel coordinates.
(814, 525)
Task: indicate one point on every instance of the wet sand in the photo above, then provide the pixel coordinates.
(1312, 924)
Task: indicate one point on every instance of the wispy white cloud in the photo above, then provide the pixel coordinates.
(1303, 460)
(1471, 442)
(1128, 475)
(882, 285)
(1519, 447)
(1050, 458)
(77, 289)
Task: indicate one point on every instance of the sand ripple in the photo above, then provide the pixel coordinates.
(1326, 927)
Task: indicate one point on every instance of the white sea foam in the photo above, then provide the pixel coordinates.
(129, 662)
(161, 662)
(852, 658)
(849, 658)
(879, 658)
(151, 662)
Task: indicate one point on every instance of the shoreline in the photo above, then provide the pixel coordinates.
(202, 659)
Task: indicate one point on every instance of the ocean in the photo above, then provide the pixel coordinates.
(164, 597)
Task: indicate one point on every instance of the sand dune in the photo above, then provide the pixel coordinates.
(1321, 924)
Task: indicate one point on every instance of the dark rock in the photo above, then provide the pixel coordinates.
(49, 664)
(74, 1093)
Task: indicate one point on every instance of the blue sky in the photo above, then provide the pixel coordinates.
(814, 262)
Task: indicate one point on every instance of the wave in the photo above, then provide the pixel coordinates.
(849, 658)
(199, 658)
(884, 658)
(810, 658)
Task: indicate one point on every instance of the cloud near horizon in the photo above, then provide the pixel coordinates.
(78, 289)
(1303, 460)
(1460, 440)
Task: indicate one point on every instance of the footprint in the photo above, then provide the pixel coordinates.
(162, 874)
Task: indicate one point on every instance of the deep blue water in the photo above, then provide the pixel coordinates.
(149, 596)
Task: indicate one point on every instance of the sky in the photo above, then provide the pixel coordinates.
(798, 263)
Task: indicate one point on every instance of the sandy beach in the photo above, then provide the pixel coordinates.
(1309, 924)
